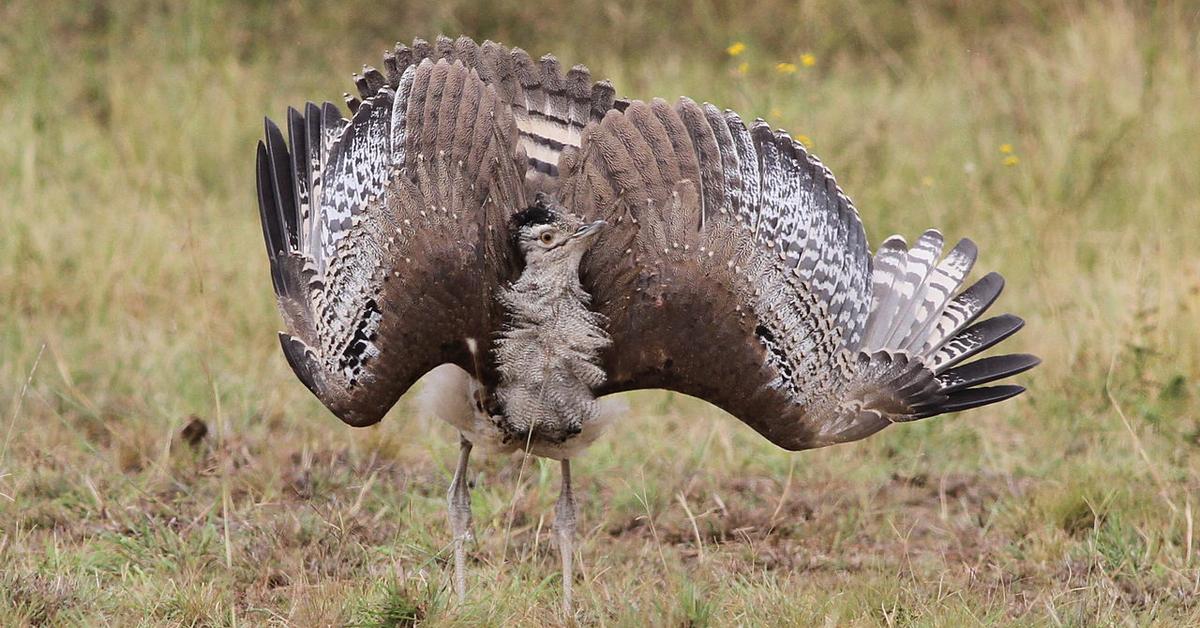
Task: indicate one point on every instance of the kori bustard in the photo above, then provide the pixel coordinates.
(556, 243)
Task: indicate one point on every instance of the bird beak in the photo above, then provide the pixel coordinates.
(589, 230)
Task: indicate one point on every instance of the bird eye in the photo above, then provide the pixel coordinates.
(547, 237)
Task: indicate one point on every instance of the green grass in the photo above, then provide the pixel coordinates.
(134, 294)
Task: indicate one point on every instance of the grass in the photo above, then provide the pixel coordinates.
(134, 295)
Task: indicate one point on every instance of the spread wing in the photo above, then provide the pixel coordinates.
(737, 271)
(387, 231)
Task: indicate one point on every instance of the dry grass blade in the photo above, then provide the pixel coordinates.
(16, 412)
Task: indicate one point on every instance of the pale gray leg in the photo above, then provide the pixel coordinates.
(564, 527)
(459, 500)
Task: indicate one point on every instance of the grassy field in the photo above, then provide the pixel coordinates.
(135, 300)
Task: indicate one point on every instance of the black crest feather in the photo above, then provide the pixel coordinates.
(541, 212)
(533, 215)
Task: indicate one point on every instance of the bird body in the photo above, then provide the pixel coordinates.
(556, 244)
(548, 354)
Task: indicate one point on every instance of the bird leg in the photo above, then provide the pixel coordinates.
(564, 527)
(459, 500)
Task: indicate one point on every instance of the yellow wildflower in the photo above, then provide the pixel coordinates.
(1007, 149)
(783, 67)
(804, 139)
(808, 60)
(775, 113)
(736, 48)
(743, 68)
(927, 181)
(1011, 160)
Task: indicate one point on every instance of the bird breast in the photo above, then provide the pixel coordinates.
(548, 358)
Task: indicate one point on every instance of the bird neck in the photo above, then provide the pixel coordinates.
(551, 274)
(548, 355)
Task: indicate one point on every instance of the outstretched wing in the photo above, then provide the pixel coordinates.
(381, 231)
(737, 271)
(386, 231)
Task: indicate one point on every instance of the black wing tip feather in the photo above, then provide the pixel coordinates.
(971, 249)
(269, 215)
(986, 370)
(995, 330)
(276, 170)
(986, 290)
(962, 387)
(971, 398)
(982, 336)
(282, 180)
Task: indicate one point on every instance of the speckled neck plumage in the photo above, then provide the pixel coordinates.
(548, 355)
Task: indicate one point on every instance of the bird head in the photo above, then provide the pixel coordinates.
(546, 232)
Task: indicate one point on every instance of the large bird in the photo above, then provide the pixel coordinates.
(556, 243)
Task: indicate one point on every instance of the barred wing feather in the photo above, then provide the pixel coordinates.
(737, 271)
(550, 108)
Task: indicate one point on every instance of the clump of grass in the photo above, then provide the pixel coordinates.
(395, 608)
(695, 606)
(37, 599)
